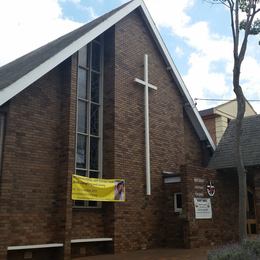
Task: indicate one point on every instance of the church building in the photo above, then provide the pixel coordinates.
(106, 101)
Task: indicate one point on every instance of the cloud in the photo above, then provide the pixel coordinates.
(90, 12)
(33, 23)
(71, 1)
(28, 24)
(179, 51)
(203, 78)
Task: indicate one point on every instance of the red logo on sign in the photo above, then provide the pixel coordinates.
(211, 189)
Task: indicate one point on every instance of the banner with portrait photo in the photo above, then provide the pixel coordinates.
(84, 188)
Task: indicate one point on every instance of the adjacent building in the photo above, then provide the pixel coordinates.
(223, 161)
(217, 118)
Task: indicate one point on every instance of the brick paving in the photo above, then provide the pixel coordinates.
(155, 254)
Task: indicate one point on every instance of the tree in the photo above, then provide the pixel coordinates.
(249, 25)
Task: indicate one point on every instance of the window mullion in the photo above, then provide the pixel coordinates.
(100, 133)
(89, 111)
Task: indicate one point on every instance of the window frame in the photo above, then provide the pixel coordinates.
(89, 102)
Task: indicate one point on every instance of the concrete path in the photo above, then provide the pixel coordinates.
(155, 254)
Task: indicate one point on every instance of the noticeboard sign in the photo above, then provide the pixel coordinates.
(203, 208)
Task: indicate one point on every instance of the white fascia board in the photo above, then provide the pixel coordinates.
(176, 72)
(22, 83)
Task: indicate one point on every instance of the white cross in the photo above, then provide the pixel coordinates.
(146, 116)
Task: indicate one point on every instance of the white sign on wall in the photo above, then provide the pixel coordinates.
(203, 208)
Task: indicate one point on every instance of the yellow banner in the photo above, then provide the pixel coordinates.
(84, 188)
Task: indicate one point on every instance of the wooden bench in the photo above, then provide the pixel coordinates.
(10, 248)
(89, 240)
(55, 245)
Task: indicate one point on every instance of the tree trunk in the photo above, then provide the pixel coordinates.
(239, 162)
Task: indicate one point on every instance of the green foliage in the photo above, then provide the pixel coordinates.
(232, 252)
(254, 29)
(252, 245)
(249, 6)
(248, 250)
(246, 5)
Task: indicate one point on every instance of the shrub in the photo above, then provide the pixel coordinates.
(246, 251)
(252, 245)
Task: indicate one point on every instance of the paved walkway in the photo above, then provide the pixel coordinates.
(155, 254)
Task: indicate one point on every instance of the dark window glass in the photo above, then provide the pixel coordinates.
(92, 203)
(94, 119)
(95, 87)
(81, 173)
(82, 116)
(251, 205)
(88, 108)
(81, 151)
(88, 55)
(93, 174)
(82, 83)
(98, 39)
(82, 56)
(79, 203)
(93, 153)
(178, 201)
(96, 49)
(253, 229)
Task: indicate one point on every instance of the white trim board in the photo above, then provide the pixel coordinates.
(10, 248)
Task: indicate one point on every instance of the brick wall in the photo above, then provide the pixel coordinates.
(31, 159)
(193, 146)
(139, 222)
(174, 224)
(109, 128)
(223, 227)
(210, 122)
(38, 160)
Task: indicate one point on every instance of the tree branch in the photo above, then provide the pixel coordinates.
(249, 21)
(219, 2)
(235, 28)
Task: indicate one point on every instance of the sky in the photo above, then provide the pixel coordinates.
(196, 33)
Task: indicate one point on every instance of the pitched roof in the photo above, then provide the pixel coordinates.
(223, 156)
(19, 74)
(222, 110)
(16, 69)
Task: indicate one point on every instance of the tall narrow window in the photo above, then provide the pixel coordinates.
(89, 114)
(178, 202)
(1, 139)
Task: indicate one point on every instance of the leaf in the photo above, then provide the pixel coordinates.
(254, 28)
